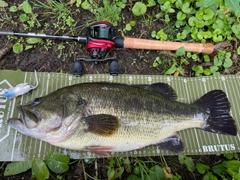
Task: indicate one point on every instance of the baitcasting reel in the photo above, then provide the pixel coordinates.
(100, 40)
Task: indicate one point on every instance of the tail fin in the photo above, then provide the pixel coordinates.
(216, 105)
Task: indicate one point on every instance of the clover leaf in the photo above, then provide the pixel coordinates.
(217, 61)
(236, 30)
(213, 69)
(17, 48)
(238, 50)
(186, 8)
(217, 37)
(181, 16)
(207, 72)
(208, 3)
(192, 21)
(227, 63)
(139, 9)
(208, 14)
(218, 24)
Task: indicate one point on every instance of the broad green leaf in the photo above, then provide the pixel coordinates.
(185, 8)
(188, 161)
(132, 23)
(159, 172)
(208, 14)
(28, 47)
(217, 61)
(180, 51)
(155, 64)
(139, 9)
(198, 69)
(151, 3)
(209, 176)
(137, 170)
(181, 16)
(233, 4)
(133, 177)
(39, 169)
(23, 18)
(126, 161)
(180, 70)
(161, 1)
(128, 27)
(207, 72)
(199, 3)
(78, 3)
(206, 58)
(118, 172)
(153, 34)
(17, 48)
(17, 167)
(172, 69)
(213, 68)
(57, 162)
(110, 173)
(218, 24)
(89, 160)
(192, 21)
(33, 40)
(218, 169)
(27, 7)
(202, 168)
(3, 4)
(208, 3)
(13, 9)
(229, 156)
(85, 5)
(236, 30)
(238, 50)
(233, 165)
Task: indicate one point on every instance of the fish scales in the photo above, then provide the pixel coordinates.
(157, 112)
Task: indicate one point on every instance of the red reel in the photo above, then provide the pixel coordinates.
(100, 39)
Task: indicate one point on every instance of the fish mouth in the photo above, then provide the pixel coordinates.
(15, 120)
(17, 124)
(28, 118)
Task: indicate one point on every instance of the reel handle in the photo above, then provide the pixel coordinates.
(135, 43)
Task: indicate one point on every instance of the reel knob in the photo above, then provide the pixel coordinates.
(114, 68)
(77, 68)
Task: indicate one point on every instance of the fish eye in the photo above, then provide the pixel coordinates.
(36, 101)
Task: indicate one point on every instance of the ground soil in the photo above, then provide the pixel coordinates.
(130, 61)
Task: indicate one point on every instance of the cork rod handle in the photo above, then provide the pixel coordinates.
(135, 43)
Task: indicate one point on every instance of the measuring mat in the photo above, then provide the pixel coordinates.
(15, 146)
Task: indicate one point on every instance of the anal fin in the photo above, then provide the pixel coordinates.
(173, 143)
(102, 150)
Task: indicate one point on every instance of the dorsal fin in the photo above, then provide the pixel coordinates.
(162, 89)
(102, 124)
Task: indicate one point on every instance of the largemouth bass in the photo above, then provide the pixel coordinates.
(107, 117)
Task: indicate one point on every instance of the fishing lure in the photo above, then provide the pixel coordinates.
(20, 89)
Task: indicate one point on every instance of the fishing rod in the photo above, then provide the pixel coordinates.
(101, 37)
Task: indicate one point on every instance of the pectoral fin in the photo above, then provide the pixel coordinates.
(102, 150)
(173, 143)
(102, 124)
